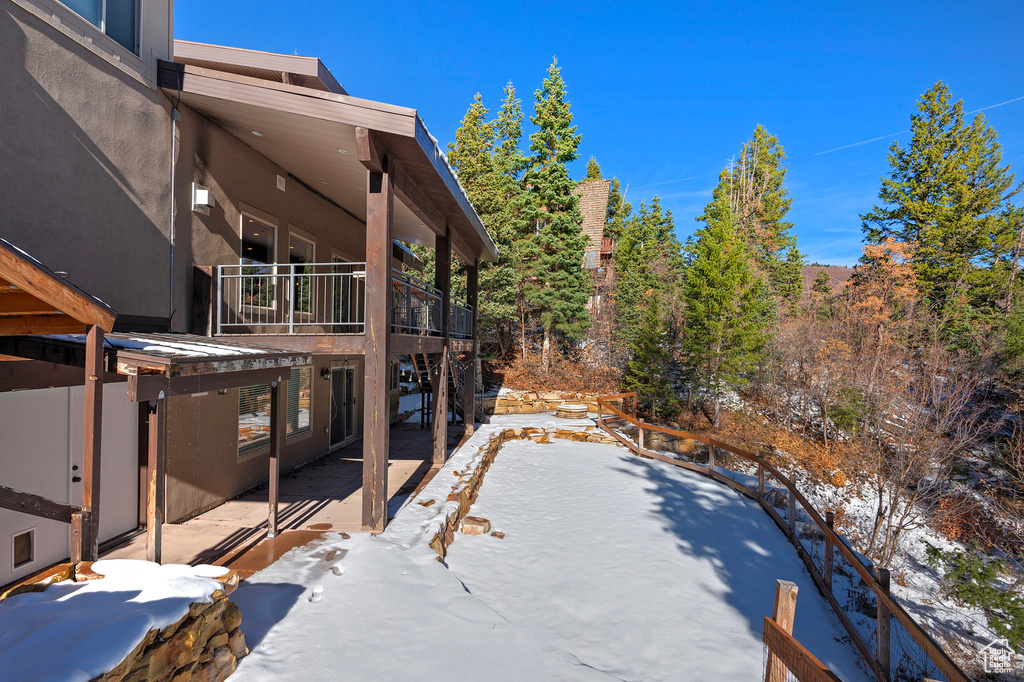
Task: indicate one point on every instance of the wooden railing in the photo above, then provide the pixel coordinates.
(887, 606)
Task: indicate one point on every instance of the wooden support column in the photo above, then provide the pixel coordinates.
(278, 426)
(91, 439)
(783, 614)
(155, 478)
(469, 395)
(380, 202)
(442, 281)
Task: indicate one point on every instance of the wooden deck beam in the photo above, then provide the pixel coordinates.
(442, 281)
(278, 426)
(469, 394)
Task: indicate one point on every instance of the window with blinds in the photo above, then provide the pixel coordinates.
(254, 410)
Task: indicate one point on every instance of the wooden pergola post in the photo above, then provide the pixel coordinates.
(155, 478)
(469, 394)
(278, 427)
(783, 614)
(442, 281)
(89, 535)
(380, 199)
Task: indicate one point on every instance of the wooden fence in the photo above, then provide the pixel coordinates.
(878, 661)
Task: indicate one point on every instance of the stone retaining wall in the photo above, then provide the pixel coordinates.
(466, 489)
(533, 402)
(204, 646)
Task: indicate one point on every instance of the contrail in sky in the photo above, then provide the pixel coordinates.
(667, 182)
(891, 135)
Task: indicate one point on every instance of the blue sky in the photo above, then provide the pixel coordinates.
(665, 93)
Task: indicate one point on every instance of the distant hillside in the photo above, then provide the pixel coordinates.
(838, 274)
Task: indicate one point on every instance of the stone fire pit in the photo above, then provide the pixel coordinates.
(571, 411)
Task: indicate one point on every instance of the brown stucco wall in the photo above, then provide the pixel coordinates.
(203, 465)
(84, 165)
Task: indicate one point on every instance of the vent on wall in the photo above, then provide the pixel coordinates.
(24, 547)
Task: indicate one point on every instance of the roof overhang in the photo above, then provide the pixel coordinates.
(312, 134)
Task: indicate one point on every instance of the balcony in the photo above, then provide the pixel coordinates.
(325, 298)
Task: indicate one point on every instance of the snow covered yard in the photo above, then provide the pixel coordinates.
(612, 567)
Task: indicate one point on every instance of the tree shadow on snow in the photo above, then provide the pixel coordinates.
(713, 522)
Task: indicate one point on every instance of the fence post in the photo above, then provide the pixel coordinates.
(792, 510)
(783, 614)
(599, 417)
(883, 626)
(215, 308)
(760, 482)
(830, 520)
(711, 458)
(640, 424)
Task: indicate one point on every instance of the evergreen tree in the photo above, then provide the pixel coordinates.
(726, 327)
(948, 194)
(788, 280)
(618, 211)
(556, 283)
(753, 190)
(593, 170)
(648, 262)
(822, 284)
(486, 157)
(646, 372)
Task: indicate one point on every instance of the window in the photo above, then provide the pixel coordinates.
(254, 410)
(119, 19)
(300, 256)
(24, 547)
(256, 286)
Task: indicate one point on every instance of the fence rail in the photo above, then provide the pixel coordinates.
(415, 306)
(885, 607)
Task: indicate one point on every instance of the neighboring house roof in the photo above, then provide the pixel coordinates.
(312, 134)
(36, 300)
(594, 207)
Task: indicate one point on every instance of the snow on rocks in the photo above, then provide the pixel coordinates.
(130, 619)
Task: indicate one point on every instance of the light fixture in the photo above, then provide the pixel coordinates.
(342, 151)
(325, 372)
(257, 133)
(255, 234)
(323, 182)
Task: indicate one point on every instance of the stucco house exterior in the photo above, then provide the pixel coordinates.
(235, 195)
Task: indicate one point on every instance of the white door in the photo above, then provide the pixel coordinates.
(40, 443)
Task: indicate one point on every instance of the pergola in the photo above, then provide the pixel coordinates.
(35, 300)
(43, 317)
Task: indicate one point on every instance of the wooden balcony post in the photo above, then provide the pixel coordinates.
(278, 427)
(469, 394)
(380, 201)
(91, 439)
(155, 478)
(442, 282)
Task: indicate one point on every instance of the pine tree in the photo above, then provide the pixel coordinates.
(753, 189)
(646, 372)
(726, 310)
(593, 170)
(788, 280)
(486, 157)
(648, 261)
(948, 194)
(618, 211)
(556, 284)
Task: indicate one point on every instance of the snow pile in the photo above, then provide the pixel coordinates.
(611, 566)
(78, 631)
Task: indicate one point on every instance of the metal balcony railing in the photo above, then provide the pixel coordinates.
(299, 298)
(325, 298)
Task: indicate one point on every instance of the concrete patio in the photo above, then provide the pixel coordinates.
(324, 495)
